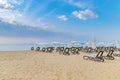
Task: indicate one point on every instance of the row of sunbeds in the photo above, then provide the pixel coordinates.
(60, 50)
(99, 57)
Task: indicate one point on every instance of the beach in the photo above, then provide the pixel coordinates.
(33, 65)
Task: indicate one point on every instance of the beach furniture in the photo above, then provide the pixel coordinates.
(80, 48)
(38, 49)
(96, 49)
(61, 50)
(57, 49)
(43, 49)
(85, 49)
(32, 48)
(77, 50)
(72, 50)
(94, 57)
(109, 56)
(89, 50)
(66, 51)
(50, 49)
(116, 54)
(118, 49)
(106, 49)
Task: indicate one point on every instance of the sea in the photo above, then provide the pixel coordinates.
(22, 47)
(17, 47)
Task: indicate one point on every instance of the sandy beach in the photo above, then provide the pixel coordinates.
(32, 65)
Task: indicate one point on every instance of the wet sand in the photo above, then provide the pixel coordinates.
(32, 65)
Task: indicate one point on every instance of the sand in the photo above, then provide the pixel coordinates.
(32, 65)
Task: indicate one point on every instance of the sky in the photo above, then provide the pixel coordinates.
(32, 21)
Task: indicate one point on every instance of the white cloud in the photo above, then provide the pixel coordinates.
(5, 5)
(75, 3)
(63, 17)
(18, 2)
(8, 13)
(10, 16)
(85, 14)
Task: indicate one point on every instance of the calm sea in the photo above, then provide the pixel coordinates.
(16, 47)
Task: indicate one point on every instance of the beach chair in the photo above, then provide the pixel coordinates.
(89, 50)
(53, 49)
(61, 50)
(109, 56)
(57, 49)
(117, 54)
(38, 49)
(49, 49)
(72, 50)
(106, 49)
(66, 51)
(32, 48)
(96, 49)
(98, 57)
(80, 48)
(77, 50)
(43, 49)
(84, 49)
(118, 49)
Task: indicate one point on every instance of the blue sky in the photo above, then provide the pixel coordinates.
(26, 21)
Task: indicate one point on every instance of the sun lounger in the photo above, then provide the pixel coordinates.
(117, 54)
(32, 48)
(43, 49)
(109, 56)
(66, 51)
(94, 57)
(38, 49)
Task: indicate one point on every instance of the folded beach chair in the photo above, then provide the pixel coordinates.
(80, 48)
(118, 49)
(32, 48)
(57, 49)
(49, 49)
(89, 50)
(72, 50)
(96, 49)
(95, 57)
(85, 49)
(66, 51)
(116, 54)
(77, 50)
(61, 50)
(106, 49)
(109, 56)
(43, 49)
(38, 49)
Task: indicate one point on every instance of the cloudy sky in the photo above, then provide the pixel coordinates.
(26, 21)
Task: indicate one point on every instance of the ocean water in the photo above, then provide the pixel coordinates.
(20, 47)
(16, 47)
